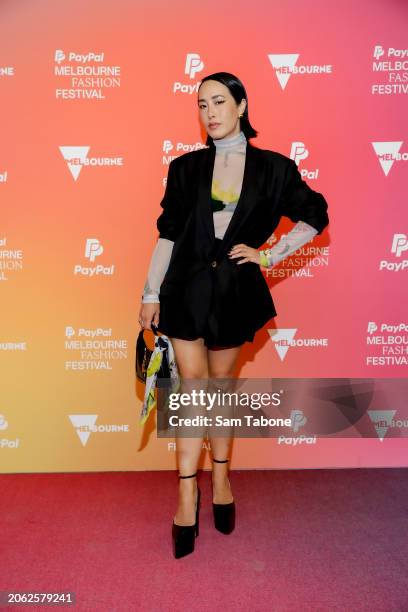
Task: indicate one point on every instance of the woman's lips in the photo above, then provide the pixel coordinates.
(212, 126)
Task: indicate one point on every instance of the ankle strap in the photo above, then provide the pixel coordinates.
(221, 461)
(191, 476)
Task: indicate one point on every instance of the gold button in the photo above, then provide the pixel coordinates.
(213, 263)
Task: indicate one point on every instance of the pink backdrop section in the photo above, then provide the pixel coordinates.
(48, 216)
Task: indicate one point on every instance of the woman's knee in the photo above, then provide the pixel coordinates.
(220, 372)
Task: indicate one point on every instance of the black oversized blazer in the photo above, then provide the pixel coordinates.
(203, 289)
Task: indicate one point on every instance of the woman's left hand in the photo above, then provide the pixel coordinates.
(248, 253)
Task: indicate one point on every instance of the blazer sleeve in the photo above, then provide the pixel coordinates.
(300, 203)
(171, 221)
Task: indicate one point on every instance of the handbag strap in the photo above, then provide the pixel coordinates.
(154, 329)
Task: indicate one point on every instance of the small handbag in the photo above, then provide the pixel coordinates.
(143, 355)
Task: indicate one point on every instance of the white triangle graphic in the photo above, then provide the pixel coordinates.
(70, 153)
(283, 60)
(386, 148)
(284, 336)
(378, 418)
(83, 420)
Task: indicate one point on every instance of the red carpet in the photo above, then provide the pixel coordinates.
(305, 540)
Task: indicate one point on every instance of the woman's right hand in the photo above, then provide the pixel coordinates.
(148, 314)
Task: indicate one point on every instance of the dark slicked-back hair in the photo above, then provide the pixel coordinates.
(238, 92)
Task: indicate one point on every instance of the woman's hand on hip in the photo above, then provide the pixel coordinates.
(248, 254)
(148, 314)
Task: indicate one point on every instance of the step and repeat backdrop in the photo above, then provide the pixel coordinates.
(97, 98)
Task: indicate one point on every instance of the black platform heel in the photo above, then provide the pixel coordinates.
(224, 514)
(183, 536)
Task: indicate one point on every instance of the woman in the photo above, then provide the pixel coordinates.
(205, 289)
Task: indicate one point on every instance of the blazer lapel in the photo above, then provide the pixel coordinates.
(245, 202)
(205, 173)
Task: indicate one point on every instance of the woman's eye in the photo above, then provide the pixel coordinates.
(201, 106)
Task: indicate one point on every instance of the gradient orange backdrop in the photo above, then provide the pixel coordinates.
(49, 215)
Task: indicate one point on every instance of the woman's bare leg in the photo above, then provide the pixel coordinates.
(221, 364)
(191, 359)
